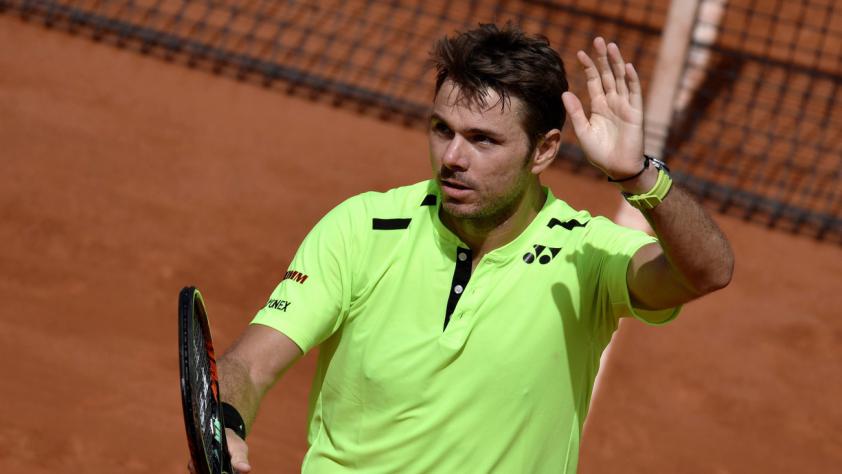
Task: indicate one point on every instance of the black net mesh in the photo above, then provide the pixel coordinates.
(759, 135)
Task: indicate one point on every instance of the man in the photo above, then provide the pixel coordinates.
(460, 321)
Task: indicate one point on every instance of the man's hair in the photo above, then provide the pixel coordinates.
(510, 63)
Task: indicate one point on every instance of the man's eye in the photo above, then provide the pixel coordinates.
(441, 129)
(484, 139)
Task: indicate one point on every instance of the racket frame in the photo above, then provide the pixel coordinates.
(191, 305)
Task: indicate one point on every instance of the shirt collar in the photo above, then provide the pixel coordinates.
(447, 239)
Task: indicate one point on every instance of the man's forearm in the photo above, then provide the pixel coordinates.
(694, 245)
(252, 365)
(238, 389)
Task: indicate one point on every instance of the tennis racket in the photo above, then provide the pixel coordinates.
(200, 387)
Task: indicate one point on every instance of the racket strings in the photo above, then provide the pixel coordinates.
(204, 399)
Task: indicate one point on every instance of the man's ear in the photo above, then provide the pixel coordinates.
(545, 151)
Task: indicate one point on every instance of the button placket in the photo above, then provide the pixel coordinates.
(461, 276)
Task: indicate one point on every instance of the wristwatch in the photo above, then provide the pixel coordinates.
(654, 196)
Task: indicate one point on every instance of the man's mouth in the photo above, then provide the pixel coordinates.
(454, 184)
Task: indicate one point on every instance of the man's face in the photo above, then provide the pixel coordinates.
(480, 154)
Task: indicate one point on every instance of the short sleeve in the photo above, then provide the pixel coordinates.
(313, 297)
(611, 248)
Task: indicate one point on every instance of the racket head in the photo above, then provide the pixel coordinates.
(200, 387)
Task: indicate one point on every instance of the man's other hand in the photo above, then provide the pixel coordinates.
(239, 451)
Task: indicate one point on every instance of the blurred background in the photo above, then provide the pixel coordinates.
(151, 144)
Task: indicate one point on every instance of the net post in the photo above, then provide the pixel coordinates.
(666, 76)
(663, 88)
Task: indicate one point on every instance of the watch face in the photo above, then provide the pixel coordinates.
(659, 164)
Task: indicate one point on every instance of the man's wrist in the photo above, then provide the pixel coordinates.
(640, 184)
(625, 176)
(642, 181)
(653, 197)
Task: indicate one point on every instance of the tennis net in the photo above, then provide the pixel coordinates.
(758, 135)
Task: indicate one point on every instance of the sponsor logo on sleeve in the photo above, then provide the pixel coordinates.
(294, 276)
(280, 305)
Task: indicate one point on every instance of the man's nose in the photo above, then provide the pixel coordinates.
(455, 156)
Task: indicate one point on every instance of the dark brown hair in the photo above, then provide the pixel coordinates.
(510, 63)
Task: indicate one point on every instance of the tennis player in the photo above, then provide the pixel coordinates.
(461, 320)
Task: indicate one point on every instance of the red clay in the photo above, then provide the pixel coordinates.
(124, 178)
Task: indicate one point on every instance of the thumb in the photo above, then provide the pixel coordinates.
(576, 112)
(239, 450)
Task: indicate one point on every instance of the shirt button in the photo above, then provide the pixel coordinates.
(458, 289)
(462, 256)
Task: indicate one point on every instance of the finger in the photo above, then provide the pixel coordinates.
(238, 449)
(608, 82)
(576, 112)
(241, 467)
(592, 78)
(636, 92)
(240, 462)
(618, 67)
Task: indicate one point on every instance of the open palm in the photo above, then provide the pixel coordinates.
(612, 138)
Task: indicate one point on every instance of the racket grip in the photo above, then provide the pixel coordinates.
(232, 419)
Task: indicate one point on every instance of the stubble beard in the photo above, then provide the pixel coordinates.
(492, 213)
(499, 209)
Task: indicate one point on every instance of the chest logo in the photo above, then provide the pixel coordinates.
(542, 253)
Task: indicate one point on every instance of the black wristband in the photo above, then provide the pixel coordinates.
(231, 419)
(646, 160)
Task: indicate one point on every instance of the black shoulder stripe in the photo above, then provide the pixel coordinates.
(429, 200)
(389, 224)
(569, 225)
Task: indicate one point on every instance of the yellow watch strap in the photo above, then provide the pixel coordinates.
(654, 196)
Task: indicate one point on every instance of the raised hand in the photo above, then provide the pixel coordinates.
(612, 137)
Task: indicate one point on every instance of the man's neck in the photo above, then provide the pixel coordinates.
(483, 235)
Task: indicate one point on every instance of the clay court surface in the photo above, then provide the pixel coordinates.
(125, 178)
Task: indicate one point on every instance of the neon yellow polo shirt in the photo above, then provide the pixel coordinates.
(425, 367)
